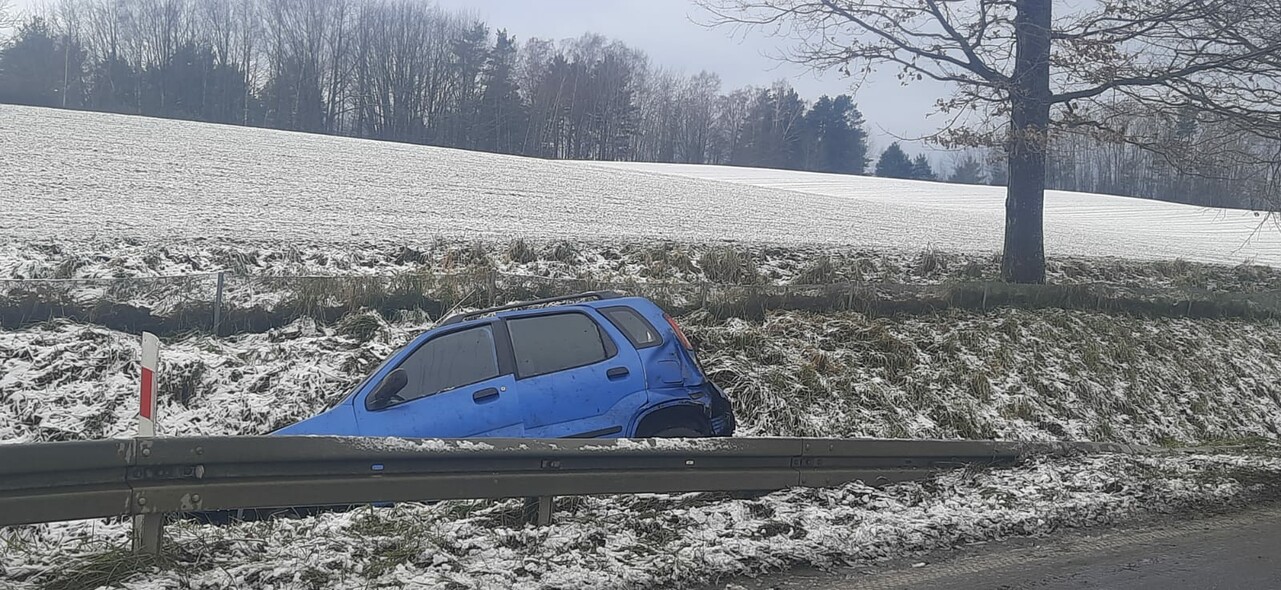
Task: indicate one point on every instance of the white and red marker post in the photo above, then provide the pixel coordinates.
(147, 528)
(147, 407)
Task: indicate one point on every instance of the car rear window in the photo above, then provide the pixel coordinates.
(451, 361)
(635, 327)
(549, 343)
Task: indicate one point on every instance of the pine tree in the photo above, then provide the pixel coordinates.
(835, 137)
(113, 86)
(41, 69)
(998, 168)
(469, 54)
(921, 169)
(967, 170)
(502, 116)
(894, 163)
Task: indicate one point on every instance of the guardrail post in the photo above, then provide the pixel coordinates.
(538, 510)
(147, 529)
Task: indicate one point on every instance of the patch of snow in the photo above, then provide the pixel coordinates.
(651, 444)
(645, 541)
(1009, 374)
(79, 175)
(414, 444)
(953, 217)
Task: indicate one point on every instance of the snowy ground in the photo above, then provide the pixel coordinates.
(95, 196)
(1075, 223)
(1012, 374)
(74, 175)
(636, 542)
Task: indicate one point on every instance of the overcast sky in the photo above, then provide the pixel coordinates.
(669, 31)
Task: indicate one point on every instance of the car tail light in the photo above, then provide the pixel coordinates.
(679, 334)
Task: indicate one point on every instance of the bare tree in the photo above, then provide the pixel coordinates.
(1021, 73)
(657, 117)
(406, 70)
(696, 114)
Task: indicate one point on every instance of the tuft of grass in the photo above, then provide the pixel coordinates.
(980, 387)
(1019, 409)
(184, 382)
(475, 254)
(565, 252)
(1181, 272)
(930, 261)
(520, 252)
(817, 272)
(386, 554)
(109, 568)
(729, 266)
(316, 578)
(68, 267)
(664, 261)
(361, 327)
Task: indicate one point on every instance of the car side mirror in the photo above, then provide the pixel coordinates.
(388, 390)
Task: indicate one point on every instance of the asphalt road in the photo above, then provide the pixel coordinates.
(1238, 551)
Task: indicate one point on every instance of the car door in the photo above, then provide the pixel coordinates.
(576, 376)
(458, 387)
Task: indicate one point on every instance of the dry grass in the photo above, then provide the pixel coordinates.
(729, 266)
(1010, 374)
(110, 568)
(726, 280)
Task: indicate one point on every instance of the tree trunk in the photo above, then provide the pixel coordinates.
(1024, 260)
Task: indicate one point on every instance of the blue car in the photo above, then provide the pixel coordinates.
(594, 365)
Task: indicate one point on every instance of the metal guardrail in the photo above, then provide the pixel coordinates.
(144, 478)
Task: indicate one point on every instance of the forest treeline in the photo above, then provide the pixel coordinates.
(405, 70)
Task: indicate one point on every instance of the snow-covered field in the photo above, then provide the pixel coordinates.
(636, 542)
(1079, 224)
(73, 176)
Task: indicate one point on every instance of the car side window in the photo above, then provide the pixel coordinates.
(451, 361)
(637, 329)
(549, 343)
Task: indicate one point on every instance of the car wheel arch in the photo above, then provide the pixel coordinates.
(672, 416)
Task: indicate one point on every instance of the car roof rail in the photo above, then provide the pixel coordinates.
(596, 295)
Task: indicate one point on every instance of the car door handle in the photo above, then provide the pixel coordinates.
(485, 395)
(617, 373)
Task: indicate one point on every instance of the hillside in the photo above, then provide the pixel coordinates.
(166, 180)
(315, 228)
(1008, 374)
(336, 251)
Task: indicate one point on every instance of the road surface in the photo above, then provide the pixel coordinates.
(1238, 551)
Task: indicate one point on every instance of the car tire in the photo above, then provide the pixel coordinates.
(679, 432)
